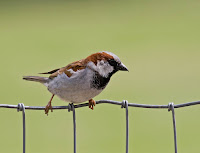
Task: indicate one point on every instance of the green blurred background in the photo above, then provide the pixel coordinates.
(157, 40)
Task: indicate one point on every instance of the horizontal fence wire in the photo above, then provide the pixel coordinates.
(124, 104)
(103, 102)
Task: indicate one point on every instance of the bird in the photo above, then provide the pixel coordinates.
(81, 80)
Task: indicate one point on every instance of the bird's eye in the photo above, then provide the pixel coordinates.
(112, 62)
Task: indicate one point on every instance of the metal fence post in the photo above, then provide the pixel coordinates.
(21, 107)
(171, 108)
(125, 105)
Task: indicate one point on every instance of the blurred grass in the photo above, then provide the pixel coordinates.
(157, 40)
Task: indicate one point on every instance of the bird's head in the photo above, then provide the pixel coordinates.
(105, 63)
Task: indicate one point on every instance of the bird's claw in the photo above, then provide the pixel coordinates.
(48, 106)
(92, 103)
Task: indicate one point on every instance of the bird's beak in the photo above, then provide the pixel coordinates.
(122, 67)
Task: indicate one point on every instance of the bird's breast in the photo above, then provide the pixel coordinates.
(80, 87)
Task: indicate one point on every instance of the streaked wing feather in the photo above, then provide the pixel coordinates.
(75, 66)
(50, 72)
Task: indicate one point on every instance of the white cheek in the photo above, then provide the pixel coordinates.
(102, 67)
(101, 63)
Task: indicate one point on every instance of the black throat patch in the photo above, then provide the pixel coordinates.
(99, 82)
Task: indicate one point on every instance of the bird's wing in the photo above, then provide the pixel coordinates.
(50, 72)
(69, 70)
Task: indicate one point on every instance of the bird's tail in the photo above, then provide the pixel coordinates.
(43, 80)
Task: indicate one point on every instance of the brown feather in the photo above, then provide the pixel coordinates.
(98, 57)
(79, 65)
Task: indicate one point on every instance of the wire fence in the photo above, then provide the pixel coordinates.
(124, 104)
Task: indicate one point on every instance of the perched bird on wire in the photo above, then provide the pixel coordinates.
(82, 80)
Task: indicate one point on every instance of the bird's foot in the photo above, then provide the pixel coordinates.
(48, 106)
(92, 103)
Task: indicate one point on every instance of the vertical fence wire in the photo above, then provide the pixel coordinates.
(74, 123)
(125, 105)
(22, 108)
(171, 108)
(72, 108)
(127, 127)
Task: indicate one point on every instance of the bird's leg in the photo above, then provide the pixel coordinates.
(92, 103)
(48, 106)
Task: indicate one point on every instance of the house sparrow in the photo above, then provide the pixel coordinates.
(82, 80)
